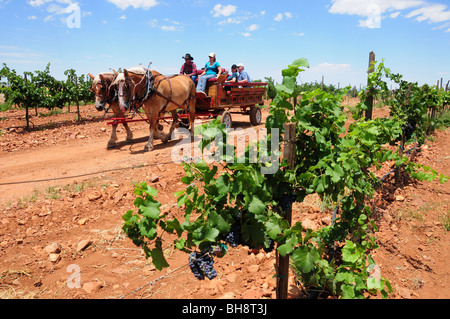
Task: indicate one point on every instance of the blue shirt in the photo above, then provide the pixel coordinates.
(212, 69)
(244, 76)
(233, 75)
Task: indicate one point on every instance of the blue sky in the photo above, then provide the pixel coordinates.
(336, 36)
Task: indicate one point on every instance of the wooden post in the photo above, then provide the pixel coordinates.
(401, 148)
(283, 262)
(78, 103)
(27, 116)
(369, 99)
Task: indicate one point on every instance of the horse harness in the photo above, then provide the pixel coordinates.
(152, 88)
(108, 100)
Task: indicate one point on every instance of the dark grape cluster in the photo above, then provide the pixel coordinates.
(271, 246)
(202, 265)
(286, 201)
(408, 130)
(234, 236)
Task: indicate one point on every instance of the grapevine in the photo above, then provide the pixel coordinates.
(40, 89)
(233, 203)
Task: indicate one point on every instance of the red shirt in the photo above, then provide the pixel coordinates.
(189, 69)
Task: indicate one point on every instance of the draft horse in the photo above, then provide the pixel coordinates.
(157, 94)
(105, 93)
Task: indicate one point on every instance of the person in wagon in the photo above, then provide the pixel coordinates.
(234, 74)
(189, 68)
(243, 76)
(212, 70)
(232, 78)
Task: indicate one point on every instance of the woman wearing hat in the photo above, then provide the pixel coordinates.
(212, 70)
(189, 68)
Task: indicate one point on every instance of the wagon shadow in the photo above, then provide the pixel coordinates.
(241, 124)
(136, 146)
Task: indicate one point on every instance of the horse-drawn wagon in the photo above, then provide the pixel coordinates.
(157, 94)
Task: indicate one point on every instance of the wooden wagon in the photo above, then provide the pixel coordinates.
(221, 100)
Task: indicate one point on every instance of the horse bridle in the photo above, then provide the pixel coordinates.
(106, 88)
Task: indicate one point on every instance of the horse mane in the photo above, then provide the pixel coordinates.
(120, 77)
(138, 70)
(97, 78)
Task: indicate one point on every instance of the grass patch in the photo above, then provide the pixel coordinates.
(53, 192)
(51, 113)
(445, 219)
(24, 201)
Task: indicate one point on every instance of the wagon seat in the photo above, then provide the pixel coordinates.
(224, 73)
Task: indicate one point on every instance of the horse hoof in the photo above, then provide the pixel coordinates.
(111, 146)
(148, 148)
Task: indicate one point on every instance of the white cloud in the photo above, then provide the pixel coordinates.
(365, 7)
(220, 10)
(124, 17)
(4, 3)
(253, 27)
(434, 13)
(68, 11)
(38, 3)
(332, 73)
(299, 34)
(18, 55)
(281, 16)
(375, 10)
(237, 20)
(124, 4)
(176, 26)
(168, 28)
(246, 34)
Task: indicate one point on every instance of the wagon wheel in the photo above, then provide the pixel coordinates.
(255, 115)
(226, 119)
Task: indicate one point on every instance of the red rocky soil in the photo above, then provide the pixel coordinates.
(63, 194)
